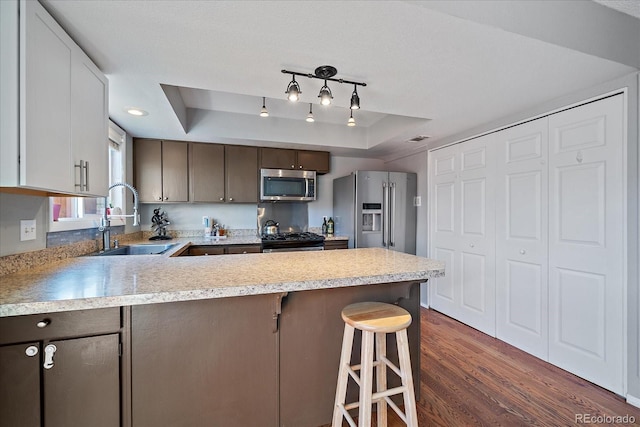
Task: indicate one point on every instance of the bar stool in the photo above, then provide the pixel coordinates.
(375, 320)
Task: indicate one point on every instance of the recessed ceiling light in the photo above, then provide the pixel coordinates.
(136, 111)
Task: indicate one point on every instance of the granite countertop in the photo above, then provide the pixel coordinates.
(109, 281)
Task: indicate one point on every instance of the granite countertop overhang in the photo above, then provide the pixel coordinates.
(111, 281)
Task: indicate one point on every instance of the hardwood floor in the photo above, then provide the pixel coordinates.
(471, 379)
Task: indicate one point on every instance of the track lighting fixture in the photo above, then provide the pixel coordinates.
(325, 94)
(293, 90)
(326, 73)
(310, 118)
(355, 99)
(263, 111)
(351, 121)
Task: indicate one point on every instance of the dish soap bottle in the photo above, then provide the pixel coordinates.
(324, 225)
(330, 227)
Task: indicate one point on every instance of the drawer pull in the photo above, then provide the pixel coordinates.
(31, 351)
(43, 323)
(49, 351)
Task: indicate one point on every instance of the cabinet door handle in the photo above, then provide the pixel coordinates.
(293, 166)
(43, 323)
(81, 166)
(166, 198)
(49, 351)
(159, 198)
(86, 176)
(222, 199)
(300, 167)
(231, 199)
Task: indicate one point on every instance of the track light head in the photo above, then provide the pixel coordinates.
(355, 99)
(351, 121)
(293, 90)
(325, 94)
(310, 118)
(263, 111)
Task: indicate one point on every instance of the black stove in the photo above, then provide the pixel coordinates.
(292, 241)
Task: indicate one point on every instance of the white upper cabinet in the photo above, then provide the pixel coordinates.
(89, 127)
(62, 104)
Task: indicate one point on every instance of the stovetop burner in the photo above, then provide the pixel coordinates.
(292, 240)
(297, 237)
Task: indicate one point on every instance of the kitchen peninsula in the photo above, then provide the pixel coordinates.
(230, 340)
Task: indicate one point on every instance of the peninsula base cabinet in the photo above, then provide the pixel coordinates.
(530, 221)
(206, 363)
(258, 360)
(51, 381)
(311, 330)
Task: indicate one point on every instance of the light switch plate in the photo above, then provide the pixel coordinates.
(417, 201)
(27, 229)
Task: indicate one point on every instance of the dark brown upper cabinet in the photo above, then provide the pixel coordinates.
(161, 170)
(206, 174)
(279, 158)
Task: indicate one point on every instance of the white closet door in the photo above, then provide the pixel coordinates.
(443, 171)
(476, 263)
(521, 237)
(586, 241)
(462, 225)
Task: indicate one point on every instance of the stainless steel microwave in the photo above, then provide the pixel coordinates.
(287, 185)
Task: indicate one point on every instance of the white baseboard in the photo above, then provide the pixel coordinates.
(424, 305)
(632, 400)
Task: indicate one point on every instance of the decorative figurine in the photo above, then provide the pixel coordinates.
(159, 225)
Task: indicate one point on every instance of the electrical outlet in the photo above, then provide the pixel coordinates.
(417, 201)
(27, 229)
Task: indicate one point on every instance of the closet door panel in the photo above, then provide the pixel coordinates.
(586, 247)
(521, 237)
(475, 278)
(445, 226)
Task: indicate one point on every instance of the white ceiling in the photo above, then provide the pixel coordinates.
(630, 7)
(427, 72)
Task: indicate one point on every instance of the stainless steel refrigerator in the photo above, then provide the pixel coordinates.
(376, 209)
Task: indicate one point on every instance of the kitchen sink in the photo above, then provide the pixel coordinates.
(140, 249)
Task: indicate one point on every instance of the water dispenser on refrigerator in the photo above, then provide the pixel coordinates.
(371, 217)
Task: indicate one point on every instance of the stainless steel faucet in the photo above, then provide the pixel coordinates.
(105, 223)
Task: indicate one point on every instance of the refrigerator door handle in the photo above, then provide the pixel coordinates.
(392, 213)
(385, 213)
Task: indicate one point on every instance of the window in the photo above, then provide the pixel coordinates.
(72, 213)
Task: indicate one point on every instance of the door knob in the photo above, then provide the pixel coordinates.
(522, 252)
(471, 245)
(31, 351)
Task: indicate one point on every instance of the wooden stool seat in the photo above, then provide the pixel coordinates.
(375, 320)
(376, 317)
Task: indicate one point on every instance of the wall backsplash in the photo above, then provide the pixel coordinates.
(188, 216)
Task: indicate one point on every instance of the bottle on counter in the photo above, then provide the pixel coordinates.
(324, 225)
(330, 227)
